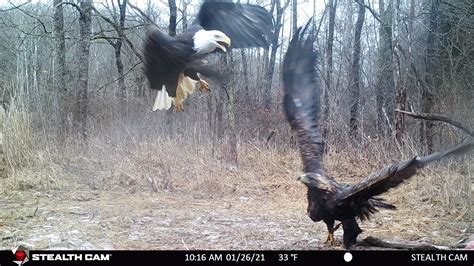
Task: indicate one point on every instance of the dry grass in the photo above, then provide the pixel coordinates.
(126, 171)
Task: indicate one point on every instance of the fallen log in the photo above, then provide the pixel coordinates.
(376, 242)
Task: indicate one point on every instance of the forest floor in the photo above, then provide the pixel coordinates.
(243, 208)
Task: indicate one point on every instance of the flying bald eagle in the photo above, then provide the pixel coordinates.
(329, 200)
(173, 64)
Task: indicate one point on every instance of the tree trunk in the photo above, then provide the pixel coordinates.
(274, 47)
(83, 77)
(59, 66)
(330, 65)
(431, 76)
(408, 82)
(173, 17)
(185, 15)
(230, 147)
(385, 83)
(294, 12)
(355, 72)
(122, 91)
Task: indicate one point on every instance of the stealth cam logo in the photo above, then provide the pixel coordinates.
(22, 255)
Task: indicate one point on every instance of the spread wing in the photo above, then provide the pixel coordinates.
(246, 25)
(301, 101)
(393, 175)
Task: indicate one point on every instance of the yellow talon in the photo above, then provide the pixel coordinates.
(203, 85)
(178, 106)
(330, 239)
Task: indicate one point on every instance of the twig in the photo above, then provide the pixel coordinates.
(115, 80)
(142, 14)
(376, 16)
(14, 6)
(437, 117)
(186, 246)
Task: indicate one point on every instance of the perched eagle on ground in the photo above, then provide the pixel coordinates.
(173, 64)
(329, 200)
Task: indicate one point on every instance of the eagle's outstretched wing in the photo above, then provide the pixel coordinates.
(393, 175)
(301, 102)
(246, 25)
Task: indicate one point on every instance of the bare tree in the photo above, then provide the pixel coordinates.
(173, 17)
(294, 12)
(431, 75)
(60, 64)
(330, 65)
(117, 43)
(355, 72)
(385, 82)
(83, 60)
(279, 9)
(407, 81)
(184, 13)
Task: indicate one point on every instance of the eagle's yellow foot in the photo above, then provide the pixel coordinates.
(203, 85)
(330, 239)
(178, 106)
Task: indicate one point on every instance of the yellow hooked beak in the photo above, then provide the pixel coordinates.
(224, 41)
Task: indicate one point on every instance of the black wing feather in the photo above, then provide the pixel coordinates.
(301, 101)
(395, 174)
(165, 58)
(246, 25)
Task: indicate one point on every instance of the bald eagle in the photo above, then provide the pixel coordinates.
(173, 64)
(329, 200)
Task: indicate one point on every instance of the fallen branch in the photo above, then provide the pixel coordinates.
(436, 117)
(376, 242)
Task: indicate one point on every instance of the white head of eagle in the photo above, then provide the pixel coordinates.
(206, 41)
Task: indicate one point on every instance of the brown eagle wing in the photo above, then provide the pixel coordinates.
(301, 100)
(246, 25)
(393, 175)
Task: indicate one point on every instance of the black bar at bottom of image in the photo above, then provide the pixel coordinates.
(116, 257)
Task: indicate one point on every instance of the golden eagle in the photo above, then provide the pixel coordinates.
(172, 64)
(329, 200)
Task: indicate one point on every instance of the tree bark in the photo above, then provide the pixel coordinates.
(173, 17)
(83, 77)
(59, 66)
(431, 78)
(230, 147)
(294, 13)
(122, 91)
(276, 5)
(185, 15)
(376, 242)
(330, 65)
(355, 72)
(385, 83)
(408, 81)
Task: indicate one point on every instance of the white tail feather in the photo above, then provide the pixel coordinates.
(162, 101)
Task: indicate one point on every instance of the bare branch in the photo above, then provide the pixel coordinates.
(29, 15)
(14, 6)
(376, 16)
(78, 8)
(376, 242)
(119, 33)
(115, 80)
(142, 13)
(437, 117)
